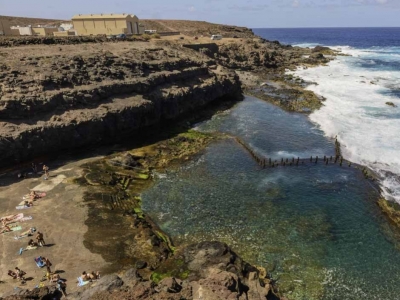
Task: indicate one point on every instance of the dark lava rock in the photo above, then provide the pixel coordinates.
(391, 104)
(320, 49)
(140, 264)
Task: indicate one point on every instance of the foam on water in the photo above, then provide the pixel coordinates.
(355, 109)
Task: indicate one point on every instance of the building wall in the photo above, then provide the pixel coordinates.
(15, 32)
(5, 28)
(64, 33)
(108, 26)
(25, 30)
(44, 31)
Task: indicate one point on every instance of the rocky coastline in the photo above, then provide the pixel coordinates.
(67, 96)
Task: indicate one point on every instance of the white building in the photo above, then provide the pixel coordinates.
(26, 30)
(66, 26)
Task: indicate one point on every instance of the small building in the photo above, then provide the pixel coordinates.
(44, 31)
(141, 29)
(108, 24)
(26, 30)
(5, 28)
(66, 27)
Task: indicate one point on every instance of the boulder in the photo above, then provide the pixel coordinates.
(217, 285)
(170, 285)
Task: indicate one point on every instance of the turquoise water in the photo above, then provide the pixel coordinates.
(315, 228)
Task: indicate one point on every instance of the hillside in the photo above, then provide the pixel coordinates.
(197, 28)
(191, 28)
(15, 21)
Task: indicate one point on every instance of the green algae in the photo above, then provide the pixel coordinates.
(157, 277)
(165, 238)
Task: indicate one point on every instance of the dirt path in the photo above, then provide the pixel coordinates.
(61, 217)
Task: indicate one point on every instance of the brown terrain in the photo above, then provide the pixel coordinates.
(19, 21)
(60, 95)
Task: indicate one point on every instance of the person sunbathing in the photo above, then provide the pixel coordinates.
(31, 243)
(85, 276)
(20, 273)
(94, 276)
(12, 274)
(55, 278)
(28, 203)
(29, 232)
(10, 218)
(5, 229)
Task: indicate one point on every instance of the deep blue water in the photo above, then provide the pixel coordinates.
(357, 88)
(354, 37)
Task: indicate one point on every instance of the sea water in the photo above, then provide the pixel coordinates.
(315, 228)
(357, 88)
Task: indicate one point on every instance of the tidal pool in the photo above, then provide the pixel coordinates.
(315, 228)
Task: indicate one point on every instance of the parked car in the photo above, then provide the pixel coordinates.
(121, 36)
(216, 37)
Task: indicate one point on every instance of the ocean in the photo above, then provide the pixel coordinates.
(357, 88)
(316, 229)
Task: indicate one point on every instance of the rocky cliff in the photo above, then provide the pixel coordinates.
(65, 97)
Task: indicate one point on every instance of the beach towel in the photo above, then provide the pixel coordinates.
(13, 228)
(81, 282)
(26, 249)
(24, 219)
(22, 207)
(39, 262)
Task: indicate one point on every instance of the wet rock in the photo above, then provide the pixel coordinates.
(391, 104)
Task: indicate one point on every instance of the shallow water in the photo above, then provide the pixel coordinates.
(316, 228)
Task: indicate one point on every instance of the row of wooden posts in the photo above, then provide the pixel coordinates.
(263, 162)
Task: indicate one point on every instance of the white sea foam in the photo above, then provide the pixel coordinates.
(355, 110)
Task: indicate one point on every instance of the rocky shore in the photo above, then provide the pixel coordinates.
(64, 96)
(216, 272)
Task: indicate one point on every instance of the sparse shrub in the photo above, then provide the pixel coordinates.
(156, 36)
(146, 37)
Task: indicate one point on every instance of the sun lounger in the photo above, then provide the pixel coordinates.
(81, 282)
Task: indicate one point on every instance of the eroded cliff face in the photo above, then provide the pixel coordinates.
(65, 97)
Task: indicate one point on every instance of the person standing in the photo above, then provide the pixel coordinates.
(62, 287)
(34, 168)
(46, 172)
(39, 238)
(48, 264)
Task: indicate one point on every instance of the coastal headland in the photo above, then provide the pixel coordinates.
(106, 114)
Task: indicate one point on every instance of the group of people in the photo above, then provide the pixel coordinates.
(39, 241)
(17, 274)
(90, 276)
